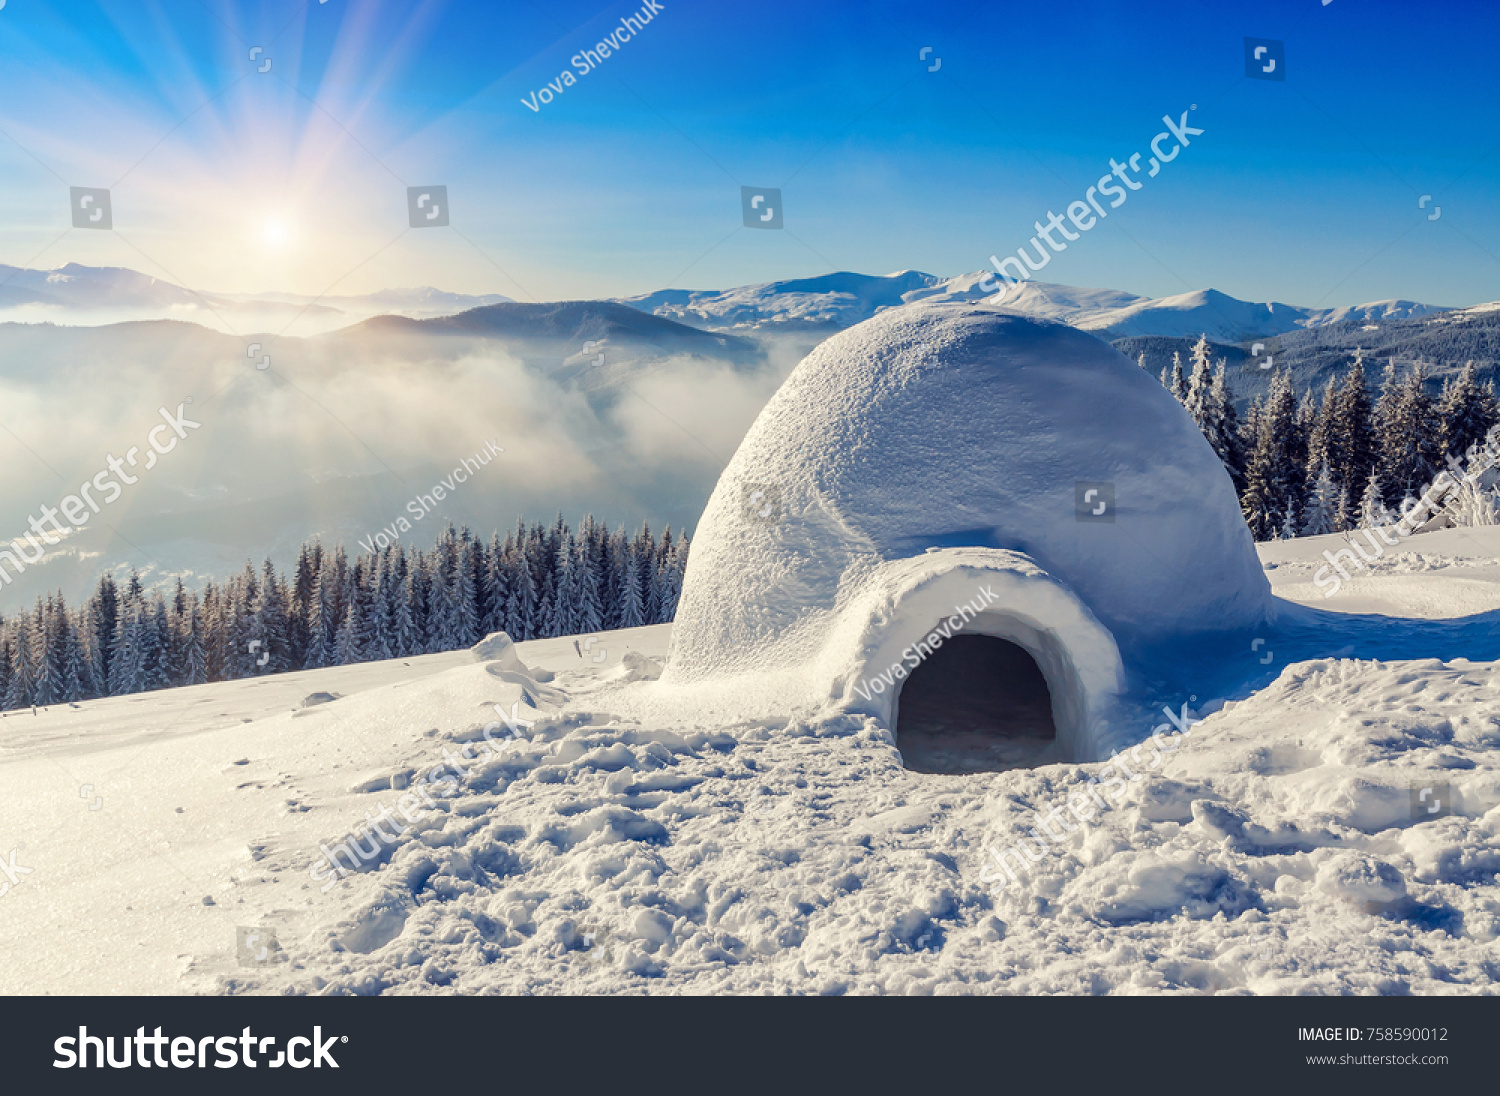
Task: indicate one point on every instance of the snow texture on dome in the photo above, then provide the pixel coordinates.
(943, 437)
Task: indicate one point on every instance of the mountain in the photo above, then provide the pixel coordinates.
(1226, 319)
(86, 287)
(809, 307)
(565, 328)
(93, 295)
(833, 302)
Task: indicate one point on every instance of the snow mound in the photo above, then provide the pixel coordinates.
(498, 647)
(933, 450)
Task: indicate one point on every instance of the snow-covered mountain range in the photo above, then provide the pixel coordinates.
(76, 294)
(836, 301)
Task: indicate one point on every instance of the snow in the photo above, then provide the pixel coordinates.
(844, 299)
(1316, 811)
(1273, 852)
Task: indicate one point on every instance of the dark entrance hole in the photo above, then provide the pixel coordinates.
(976, 704)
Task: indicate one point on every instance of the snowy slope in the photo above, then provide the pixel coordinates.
(1274, 852)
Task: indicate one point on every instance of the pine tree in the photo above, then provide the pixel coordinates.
(275, 628)
(671, 584)
(104, 609)
(1288, 530)
(1273, 478)
(1372, 511)
(20, 689)
(465, 594)
(381, 610)
(590, 608)
(1318, 437)
(319, 642)
(1229, 443)
(1198, 396)
(1467, 410)
(346, 647)
(47, 670)
(1409, 448)
(299, 611)
(195, 657)
(1351, 438)
(1321, 512)
(632, 608)
(405, 640)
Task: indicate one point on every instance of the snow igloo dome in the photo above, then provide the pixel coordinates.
(954, 518)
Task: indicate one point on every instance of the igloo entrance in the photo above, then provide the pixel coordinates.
(977, 704)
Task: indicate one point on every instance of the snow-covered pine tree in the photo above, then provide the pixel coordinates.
(366, 620)
(407, 640)
(129, 667)
(157, 632)
(465, 593)
(1467, 410)
(275, 627)
(590, 605)
(1320, 514)
(104, 608)
(1178, 386)
(20, 689)
(1198, 397)
(1351, 439)
(632, 605)
(381, 609)
(523, 616)
(1384, 418)
(1318, 437)
(671, 583)
(44, 692)
(1272, 477)
(1372, 509)
(215, 632)
(319, 644)
(1288, 530)
(346, 646)
(1229, 444)
(1410, 448)
(299, 610)
(496, 593)
(195, 655)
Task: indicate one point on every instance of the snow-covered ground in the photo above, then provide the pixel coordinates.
(631, 845)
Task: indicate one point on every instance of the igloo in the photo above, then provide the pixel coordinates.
(972, 513)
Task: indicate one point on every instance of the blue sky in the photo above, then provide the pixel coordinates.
(226, 178)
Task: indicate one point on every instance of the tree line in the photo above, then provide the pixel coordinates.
(538, 582)
(1314, 465)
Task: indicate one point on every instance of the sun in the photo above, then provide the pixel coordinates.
(276, 234)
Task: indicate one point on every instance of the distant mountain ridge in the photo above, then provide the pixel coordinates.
(75, 293)
(836, 301)
(821, 304)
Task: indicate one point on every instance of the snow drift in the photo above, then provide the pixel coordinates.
(931, 451)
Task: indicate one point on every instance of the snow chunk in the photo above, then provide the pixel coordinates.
(1357, 877)
(498, 647)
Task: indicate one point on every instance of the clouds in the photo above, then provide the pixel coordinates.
(336, 435)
